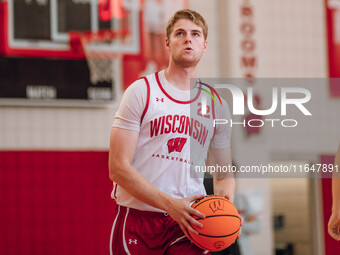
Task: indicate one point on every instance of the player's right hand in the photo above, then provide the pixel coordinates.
(181, 212)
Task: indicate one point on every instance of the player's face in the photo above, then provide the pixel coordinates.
(186, 44)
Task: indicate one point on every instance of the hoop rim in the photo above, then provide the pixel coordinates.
(90, 42)
(103, 35)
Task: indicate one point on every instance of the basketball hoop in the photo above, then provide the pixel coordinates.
(101, 50)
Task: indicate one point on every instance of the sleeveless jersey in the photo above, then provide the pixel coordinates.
(174, 137)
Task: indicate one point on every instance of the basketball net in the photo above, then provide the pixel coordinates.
(103, 49)
(99, 54)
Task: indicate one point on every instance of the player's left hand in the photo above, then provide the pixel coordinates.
(334, 226)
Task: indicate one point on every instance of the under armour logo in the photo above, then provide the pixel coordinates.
(132, 241)
(160, 99)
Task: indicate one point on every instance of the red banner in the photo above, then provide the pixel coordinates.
(333, 31)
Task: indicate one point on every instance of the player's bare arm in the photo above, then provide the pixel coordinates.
(334, 221)
(224, 183)
(123, 145)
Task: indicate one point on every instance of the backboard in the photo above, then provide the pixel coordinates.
(41, 27)
(45, 69)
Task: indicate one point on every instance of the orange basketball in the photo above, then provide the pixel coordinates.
(221, 224)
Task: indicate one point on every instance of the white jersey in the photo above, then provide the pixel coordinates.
(172, 140)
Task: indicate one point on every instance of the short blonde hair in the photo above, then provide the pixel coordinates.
(189, 15)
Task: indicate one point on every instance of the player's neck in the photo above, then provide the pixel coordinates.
(179, 76)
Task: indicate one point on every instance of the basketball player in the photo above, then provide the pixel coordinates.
(155, 143)
(334, 221)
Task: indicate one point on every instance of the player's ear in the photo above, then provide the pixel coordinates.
(205, 45)
(167, 43)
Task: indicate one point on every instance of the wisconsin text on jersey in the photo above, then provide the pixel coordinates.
(181, 125)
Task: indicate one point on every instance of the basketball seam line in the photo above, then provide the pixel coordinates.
(199, 203)
(211, 216)
(220, 236)
(200, 246)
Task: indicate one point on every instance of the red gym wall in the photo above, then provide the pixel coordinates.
(55, 202)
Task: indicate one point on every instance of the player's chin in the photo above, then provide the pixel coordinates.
(188, 61)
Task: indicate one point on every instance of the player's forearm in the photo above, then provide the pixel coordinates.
(225, 187)
(138, 186)
(224, 182)
(336, 172)
(336, 184)
(336, 195)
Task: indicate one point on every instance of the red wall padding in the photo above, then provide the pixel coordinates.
(54, 202)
